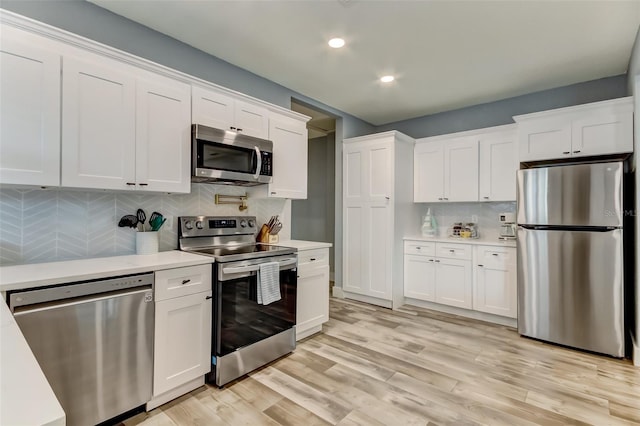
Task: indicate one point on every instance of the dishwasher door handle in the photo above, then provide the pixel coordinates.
(22, 310)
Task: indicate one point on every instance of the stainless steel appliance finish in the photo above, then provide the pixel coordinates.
(94, 343)
(245, 334)
(571, 195)
(570, 256)
(507, 226)
(227, 157)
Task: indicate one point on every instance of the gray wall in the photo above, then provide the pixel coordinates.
(313, 219)
(501, 112)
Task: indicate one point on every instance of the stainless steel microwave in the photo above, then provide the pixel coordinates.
(226, 157)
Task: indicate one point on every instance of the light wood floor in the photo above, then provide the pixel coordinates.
(374, 366)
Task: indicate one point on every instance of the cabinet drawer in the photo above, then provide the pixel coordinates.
(313, 258)
(497, 257)
(453, 251)
(178, 282)
(425, 248)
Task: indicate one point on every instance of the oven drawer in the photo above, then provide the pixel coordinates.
(316, 257)
(179, 282)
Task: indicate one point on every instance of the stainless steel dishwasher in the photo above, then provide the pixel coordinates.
(94, 343)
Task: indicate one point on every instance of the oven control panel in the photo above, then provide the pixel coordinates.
(207, 226)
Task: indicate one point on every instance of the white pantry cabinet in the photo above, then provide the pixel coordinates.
(290, 152)
(495, 289)
(29, 109)
(182, 340)
(223, 111)
(446, 170)
(376, 215)
(312, 300)
(498, 165)
(123, 128)
(597, 128)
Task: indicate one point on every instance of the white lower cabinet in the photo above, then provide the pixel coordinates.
(495, 291)
(182, 338)
(477, 277)
(312, 308)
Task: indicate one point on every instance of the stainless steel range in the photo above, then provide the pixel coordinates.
(248, 331)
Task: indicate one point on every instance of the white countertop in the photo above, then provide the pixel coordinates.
(303, 245)
(25, 395)
(41, 274)
(484, 241)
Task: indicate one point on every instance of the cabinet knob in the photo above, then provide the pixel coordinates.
(566, 152)
(185, 281)
(576, 152)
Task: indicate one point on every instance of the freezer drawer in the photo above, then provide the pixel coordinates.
(572, 195)
(570, 288)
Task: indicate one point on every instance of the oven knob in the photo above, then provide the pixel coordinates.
(199, 224)
(243, 223)
(252, 223)
(188, 225)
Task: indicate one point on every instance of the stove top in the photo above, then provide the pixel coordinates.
(232, 253)
(225, 238)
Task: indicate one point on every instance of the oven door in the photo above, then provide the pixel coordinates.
(228, 156)
(239, 320)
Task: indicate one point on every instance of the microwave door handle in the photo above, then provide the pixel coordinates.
(259, 165)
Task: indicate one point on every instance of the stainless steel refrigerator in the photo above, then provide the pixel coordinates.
(570, 256)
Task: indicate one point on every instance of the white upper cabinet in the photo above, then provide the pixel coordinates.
(123, 128)
(446, 170)
(498, 166)
(290, 151)
(29, 110)
(98, 123)
(598, 128)
(222, 111)
(163, 135)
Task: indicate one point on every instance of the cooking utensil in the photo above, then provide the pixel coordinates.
(129, 221)
(157, 224)
(153, 216)
(142, 217)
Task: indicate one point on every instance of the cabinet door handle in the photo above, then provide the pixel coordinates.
(387, 198)
(185, 281)
(208, 297)
(452, 251)
(495, 254)
(430, 260)
(437, 261)
(143, 184)
(445, 198)
(239, 129)
(312, 259)
(232, 128)
(131, 183)
(481, 266)
(566, 152)
(486, 198)
(576, 152)
(273, 193)
(440, 198)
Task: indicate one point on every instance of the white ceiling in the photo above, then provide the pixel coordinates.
(444, 54)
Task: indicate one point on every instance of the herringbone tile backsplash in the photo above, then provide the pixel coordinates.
(60, 224)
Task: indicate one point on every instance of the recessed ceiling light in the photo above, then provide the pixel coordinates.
(387, 79)
(336, 43)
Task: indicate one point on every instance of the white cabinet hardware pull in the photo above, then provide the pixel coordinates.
(185, 282)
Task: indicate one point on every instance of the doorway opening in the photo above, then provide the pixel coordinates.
(313, 219)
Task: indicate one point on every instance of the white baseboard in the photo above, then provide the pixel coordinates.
(158, 400)
(308, 332)
(482, 316)
(367, 299)
(337, 292)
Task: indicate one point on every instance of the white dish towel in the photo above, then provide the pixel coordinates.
(269, 283)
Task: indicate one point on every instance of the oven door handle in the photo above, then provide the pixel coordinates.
(259, 163)
(253, 268)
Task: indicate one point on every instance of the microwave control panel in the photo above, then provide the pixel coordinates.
(267, 163)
